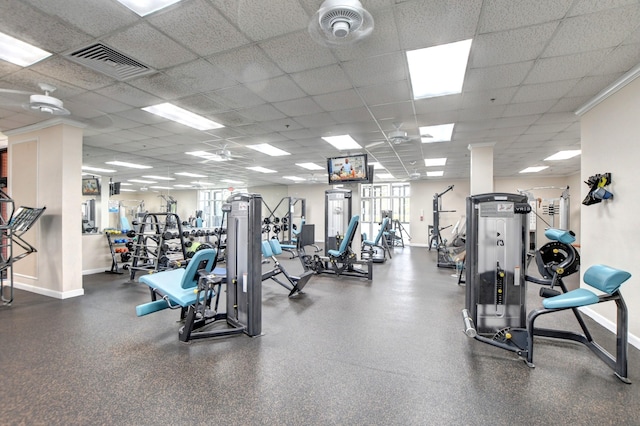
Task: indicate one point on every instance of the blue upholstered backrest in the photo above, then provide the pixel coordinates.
(566, 237)
(605, 278)
(383, 226)
(202, 259)
(275, 246)
(348, 236)
(297, 231)
(266, 249)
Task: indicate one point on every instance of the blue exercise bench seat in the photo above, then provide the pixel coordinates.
(348, 238)
(601, 277)
(270, 249)
(381, 242)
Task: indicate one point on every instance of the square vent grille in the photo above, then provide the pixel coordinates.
(100, 57)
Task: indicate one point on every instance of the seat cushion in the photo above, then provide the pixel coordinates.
(605, 278)
(169, 283)
(571, 299)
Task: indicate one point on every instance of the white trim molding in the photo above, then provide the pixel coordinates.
(610, 90)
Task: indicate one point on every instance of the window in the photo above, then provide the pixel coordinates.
(210, 201)
(384, 196)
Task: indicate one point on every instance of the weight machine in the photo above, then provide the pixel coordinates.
(496, 279)
(553, 207)
(435, 240)
(283, 224)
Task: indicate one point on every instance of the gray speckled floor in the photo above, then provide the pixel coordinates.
(387, 352)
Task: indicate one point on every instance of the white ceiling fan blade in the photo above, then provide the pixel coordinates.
(373, 144)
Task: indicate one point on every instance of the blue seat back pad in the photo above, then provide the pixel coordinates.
(275, 246)
(605, 278)
(188, 277)
(266, 249)
(561, 235)
(383, 226)
(348, 236)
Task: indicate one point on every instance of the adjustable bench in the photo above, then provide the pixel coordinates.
(607, 280)
(270, 249)
(190, 289)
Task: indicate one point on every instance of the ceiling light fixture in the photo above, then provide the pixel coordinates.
(294, 178)
(160, 187)
(187, 174)
(270, 150)
(438, 70)
(125, 164)
(142, 181)
(182, 116)
(564, 155)
(158, 177)
(437, 133)
(428, 162)
(261, 169)
(435, 174)
(342, 142)
(209, 156)
(20, 53)
(534, 169)
(146, 7)
(179, 185)
(310, 166)
(97, 169)
(230, 181)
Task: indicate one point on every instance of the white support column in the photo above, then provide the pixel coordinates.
(481, 180)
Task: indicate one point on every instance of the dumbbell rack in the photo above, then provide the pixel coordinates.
(13, 224)
(149, 250)
(115, 269)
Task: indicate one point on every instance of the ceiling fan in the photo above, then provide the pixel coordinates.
(340, 23)
(221, 154)
(397, 136)
(45, 104)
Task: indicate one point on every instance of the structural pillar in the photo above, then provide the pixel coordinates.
(45, 169)
(481, 168)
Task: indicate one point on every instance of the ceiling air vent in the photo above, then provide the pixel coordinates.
(100, 57)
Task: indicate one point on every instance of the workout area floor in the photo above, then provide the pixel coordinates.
(347, 352)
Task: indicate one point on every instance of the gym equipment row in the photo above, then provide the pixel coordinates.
(496, 280)
(282, 226)
(196, 289)
(13, 225)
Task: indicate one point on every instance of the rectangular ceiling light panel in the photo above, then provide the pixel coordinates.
(182, 116)
(20, 53)
(428, 162)
(270, 150)
(310, 166)
(98, 169)
(342, 142)
(187, 174)
(125, 164)
(534, 169)
(146, 7)
(564, 155)
(261, 169)
(438, 70)
(435, 174)
(294, 178)
(438, 133)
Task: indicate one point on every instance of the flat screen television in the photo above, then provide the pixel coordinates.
(348, 168)
(90, 186)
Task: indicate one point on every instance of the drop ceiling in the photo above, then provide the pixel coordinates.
(252, 66)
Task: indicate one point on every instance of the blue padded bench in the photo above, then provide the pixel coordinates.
(381, 242)
(270, 249)
(601, 277)
(177, 287)
(348, 238)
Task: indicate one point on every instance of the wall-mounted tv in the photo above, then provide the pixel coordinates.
(90, 186)
(348, 168)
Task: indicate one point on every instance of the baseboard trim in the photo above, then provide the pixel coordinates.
(609, 325)
(50, 293)
(94, 271)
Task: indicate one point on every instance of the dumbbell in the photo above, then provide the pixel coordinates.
(285, 227)
(131, 233)
(285, 220)
(276, 229)
(276, 220)
(185, 234)
(265, 229)
(266, 221)
(125, 257)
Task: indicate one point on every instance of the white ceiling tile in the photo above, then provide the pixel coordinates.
(590, 86)
(247, 63)
(296, 107)
(276, 89)
(351, 115)
(482, 98)
(396, 91)
(621, 60)
(438, 104)
(376, 70)
(297, 52)
(526, 108)
(129, 95)
(148, 45)
(594, 31)
(323, 80)
(236, 97)
(490, 111)
(315, 120)
(564, 67)
(498, 15)
(344, 99)
(207, 31)
(437, 117)
(101, 103)
(507, 47)
(200, 104)
(570, 104)
(582, 7)
(260, 20)
(200, 76)
(72, 73)
(162, 85)
(384, 39)
(547, 128)
(427, 23)
(558, 117)
(261, 113)
(501, 76)
(516, 121)
(544, 91)
(396, 112)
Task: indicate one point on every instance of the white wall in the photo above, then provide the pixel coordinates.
(610, 231)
